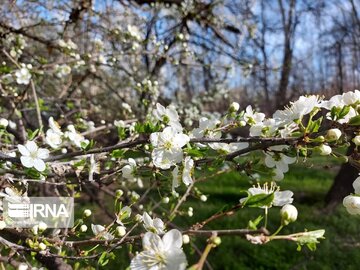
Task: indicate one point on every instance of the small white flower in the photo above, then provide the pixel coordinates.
(168, 144)
(124, 213)
(280, 197)
(155, 225)
(134, 32)
(32, 156)
(303, 106)
(161, 254)
(203, 198)
(207, 129)
(53, 139)
(187, 172)
(23, 76)
(62, 70)
(288, 214)
(100, 231)
(252, 117)
(333, 134)
(129, 170)
(279, 161)
(352, 204)
(75, 137)
(168, 115)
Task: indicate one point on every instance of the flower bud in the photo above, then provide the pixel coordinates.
(42, 246)
(190, 212)
(83, 228)
(288, 214)
(4, 122)
(352, 204)
(356, 140)
(2, 224)
(87, 212)
(165, 200)
(35, 229)
(119, 193)
(216, 240)
(333, 134)
(120, 231)
(325, 150)
(138, 218)
(234, 107)
(203, 198)
(186, 239)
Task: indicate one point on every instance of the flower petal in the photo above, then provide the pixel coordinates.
(43, 153)
(172, 238)
(39, 164)
(31, 146)
(23, 150)
(27, 162)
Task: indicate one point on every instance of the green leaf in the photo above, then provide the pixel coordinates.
(118, 153)
(354, 121)
(310, 239)
(252, 225)
(259, 200)
(32, 134)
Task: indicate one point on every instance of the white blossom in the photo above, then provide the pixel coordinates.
(279, 161)
(187, 171)
(168, 115)
(155, 225)
(281, 198)
(253, 117)
(161, 253)
(100, 232)
(168, 144)
(352, 204)
(129, 169)
(23, 76)
(53, 139)
(297, 109)
(75, 137)
(32, 156)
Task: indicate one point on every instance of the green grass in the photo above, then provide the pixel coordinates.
(340, 249)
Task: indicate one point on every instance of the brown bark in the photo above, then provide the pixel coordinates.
(342, 185)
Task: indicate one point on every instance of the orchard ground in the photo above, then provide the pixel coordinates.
(310, 183)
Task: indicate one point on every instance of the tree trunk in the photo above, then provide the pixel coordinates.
(342, 185)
